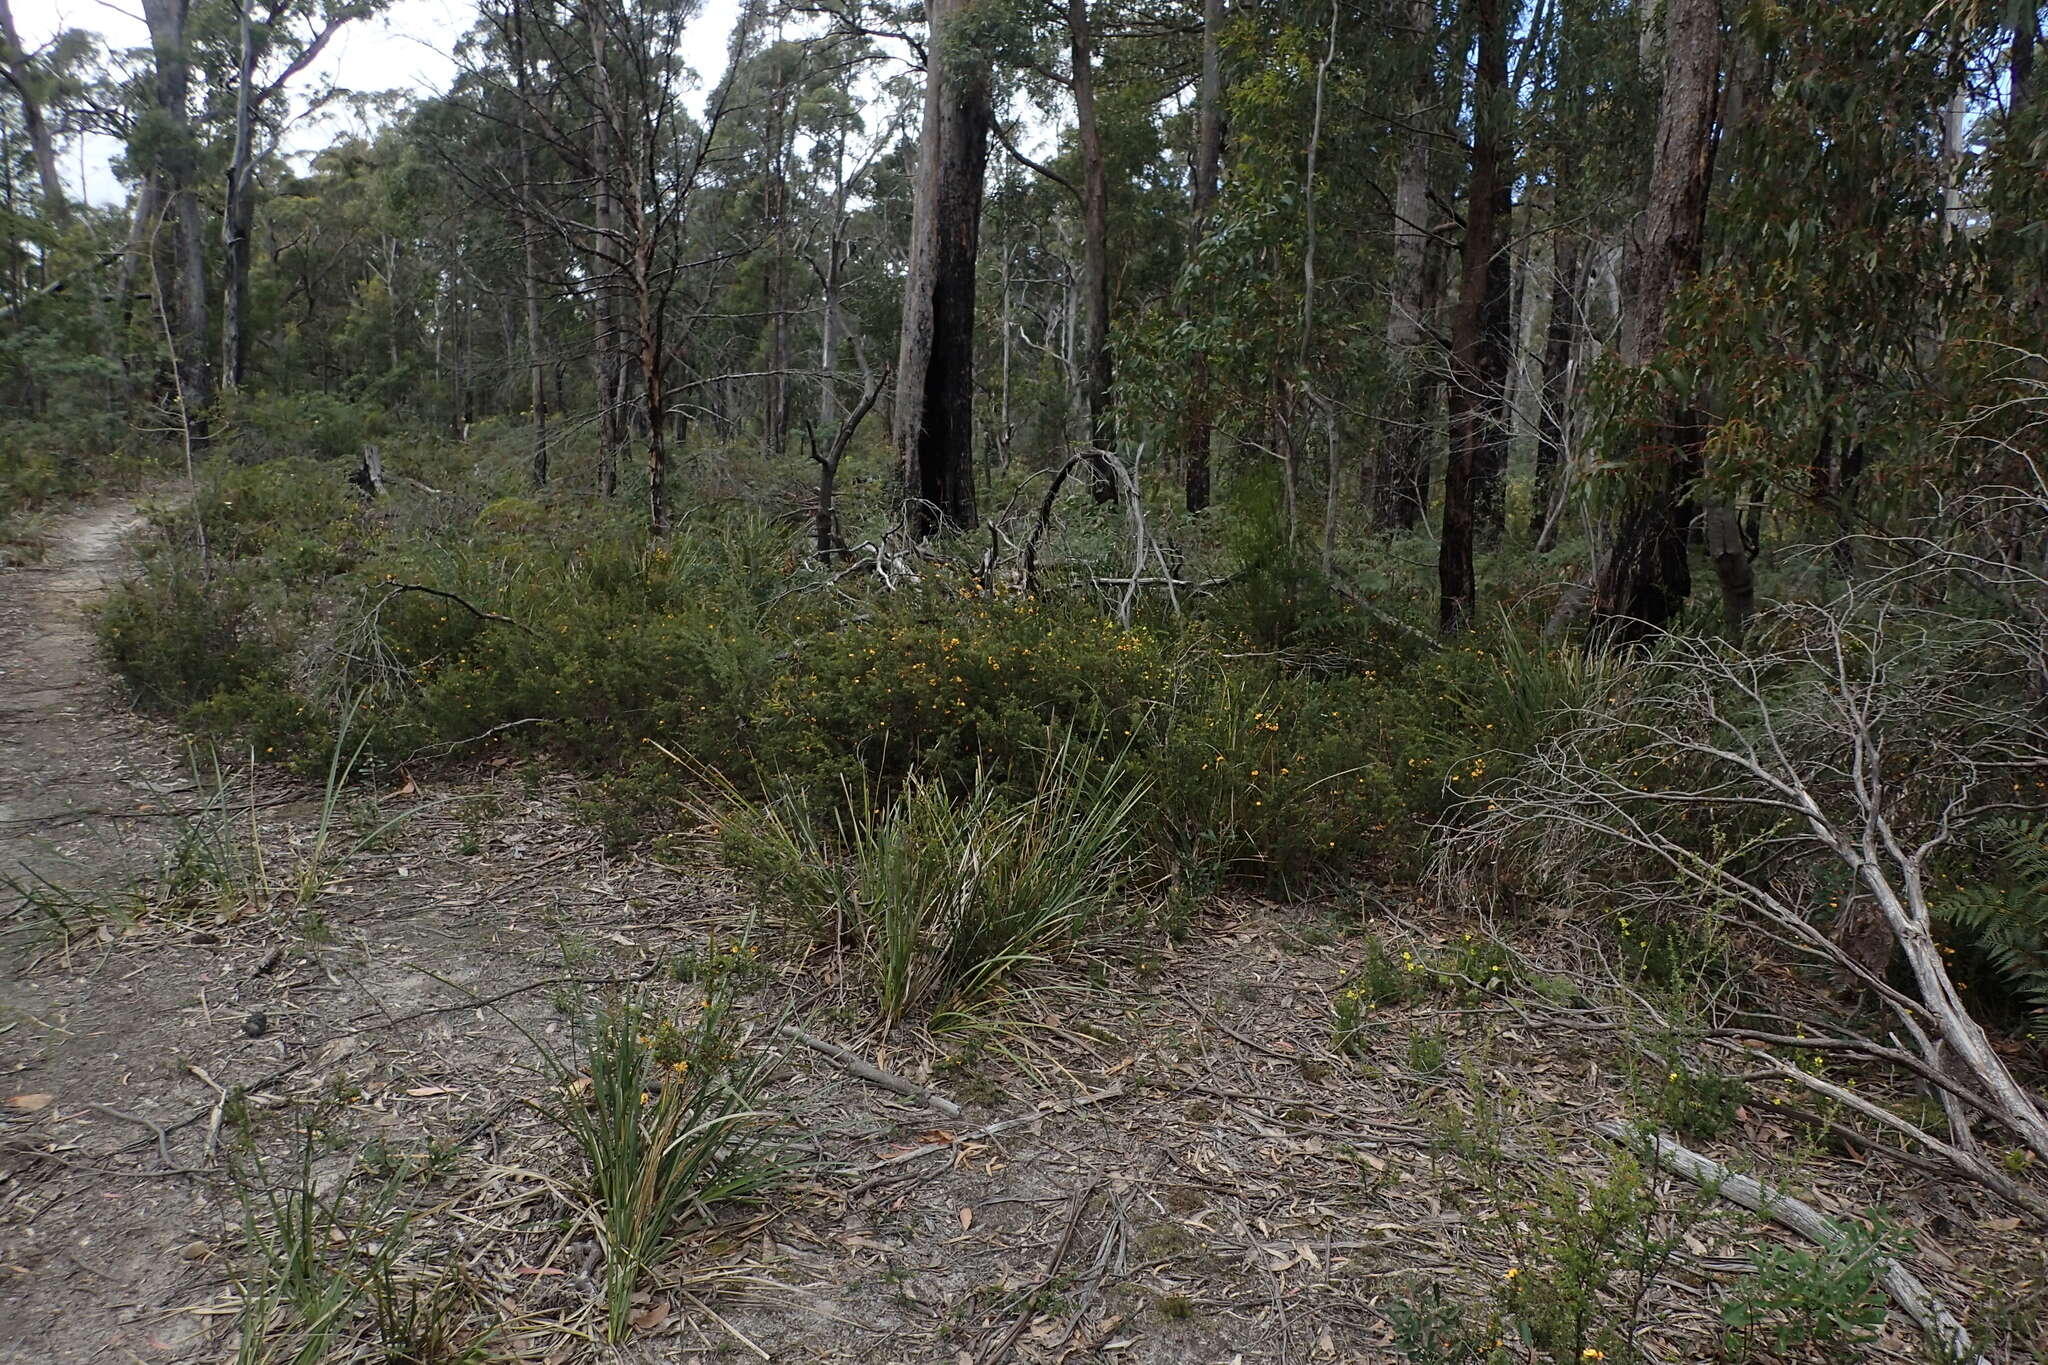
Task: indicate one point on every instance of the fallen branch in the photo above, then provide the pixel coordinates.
(1944, 1332)
(478, 612)
(856, 1065)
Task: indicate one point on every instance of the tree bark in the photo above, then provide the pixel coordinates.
(935, 373)
(15, 69)
(178, 160)
(1553, 417)
(1401, 484)
(1208, 165)
(1644, 577)
(237, 212)
(1478, 329)
(1096, 375)
(529, 231)
(607, 370)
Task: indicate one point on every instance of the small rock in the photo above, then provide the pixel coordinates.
(257, 1024)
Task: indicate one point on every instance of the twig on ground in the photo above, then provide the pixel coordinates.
(857, 1065)
(1052, 1270)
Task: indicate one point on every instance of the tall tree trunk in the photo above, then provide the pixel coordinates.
(2026, 36)
(607, 371)
(1554, 394)
(1400, 485)
(179, 164)
(1095, 358)
(16, 71)
(529, 232)
(1478, 329)
(1495, 426)
(238, 213)
(142, 231)
(830, 280)
(653, 363)
(1643, 578)
(177, 159)
(1208, 164)
(935, 384)
(780, 132)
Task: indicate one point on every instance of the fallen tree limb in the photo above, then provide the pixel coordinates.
(1944, 1332)
(854, 1064)
(879, 1172)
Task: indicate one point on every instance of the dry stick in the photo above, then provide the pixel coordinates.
(887, 1165)
(478, 612)
(1943, 1331)
(1052, 1269)
(868, 1071)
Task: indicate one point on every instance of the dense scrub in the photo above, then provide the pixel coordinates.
(1280, 733)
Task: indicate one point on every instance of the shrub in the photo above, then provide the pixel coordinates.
(262, 427)
(179, 635)
(1827, 1301)
(952, 684)
(2000, 913)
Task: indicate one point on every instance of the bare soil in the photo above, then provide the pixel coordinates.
(1188, 1170)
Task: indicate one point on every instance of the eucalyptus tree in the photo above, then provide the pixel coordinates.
(531, 69)
(166, 145)
(1479, 327)
(26, 78)
(274, 44)
(934, 431)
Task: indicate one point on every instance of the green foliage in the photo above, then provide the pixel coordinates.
(1694, 1101)
(324, 1276)
(1431, 1328)
(946, 898)
(949, 682)
(1475, 966)
(1582, 1242)
(668, 1120)
(1515, 691)
(2001, 912)
(262, 427)
(181, 634)
(1827, 1301)
(1378, 981)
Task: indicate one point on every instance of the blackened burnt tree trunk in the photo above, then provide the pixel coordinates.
(1643, 577)
(935, 371)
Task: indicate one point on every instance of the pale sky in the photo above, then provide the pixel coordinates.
(410, 47)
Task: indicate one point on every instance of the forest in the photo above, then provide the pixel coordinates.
(1008, 680)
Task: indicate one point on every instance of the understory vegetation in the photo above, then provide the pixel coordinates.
(1447, 599)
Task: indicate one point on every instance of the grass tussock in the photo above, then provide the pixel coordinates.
(943, 900)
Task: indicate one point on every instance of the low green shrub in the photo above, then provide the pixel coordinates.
(181, 634)
(1824, 1302)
